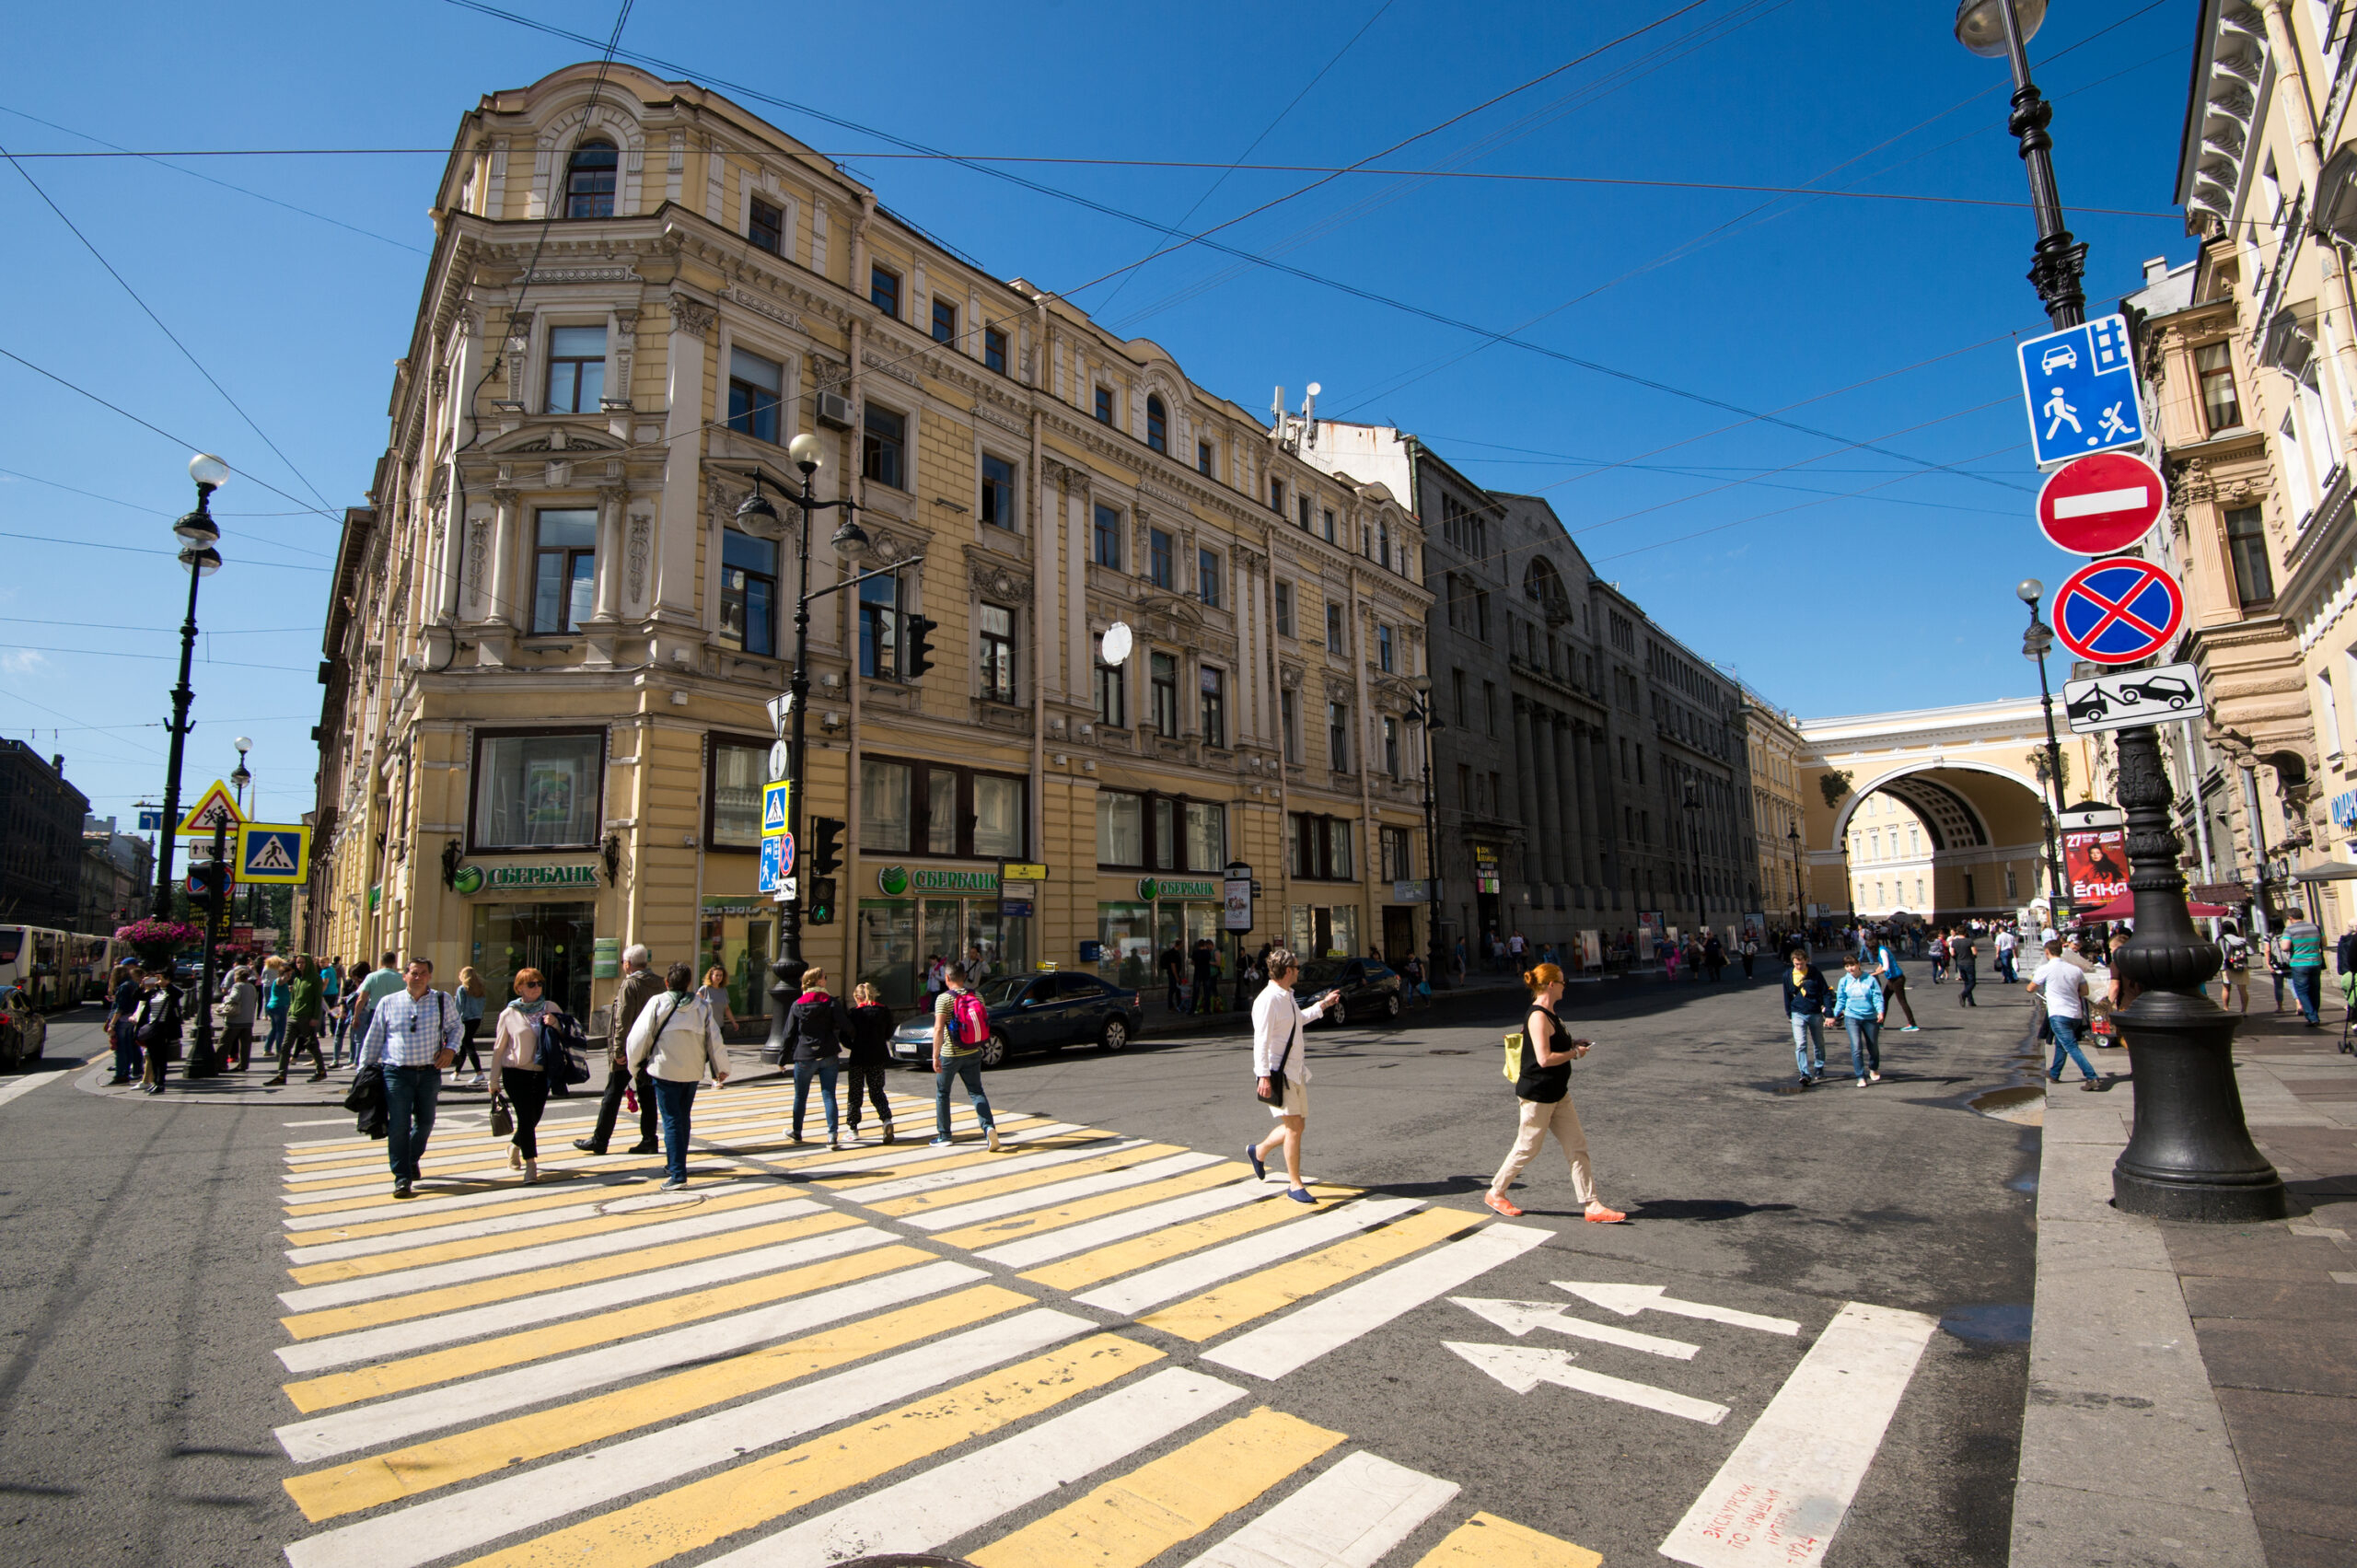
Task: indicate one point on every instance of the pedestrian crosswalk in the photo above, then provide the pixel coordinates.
(1067, 1354)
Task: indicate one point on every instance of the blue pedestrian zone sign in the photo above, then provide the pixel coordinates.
(776, 806)
(273, 851)
(2080, 386)
(777, 861)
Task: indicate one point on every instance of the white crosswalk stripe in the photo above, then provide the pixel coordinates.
(1183, 1276)
(463, 1230)
(934, 1182)
(1033, 1250)
(1031, 1198)
(1347, 1517)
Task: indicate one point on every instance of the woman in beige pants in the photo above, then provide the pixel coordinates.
(1544, 1093)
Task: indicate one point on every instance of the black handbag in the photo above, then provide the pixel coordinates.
(1274, 1093)
(502, 1121)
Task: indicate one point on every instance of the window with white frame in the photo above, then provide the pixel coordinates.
(538, 789)
(749, 592)
(996, 632)
(998, 491)
(765, 224)
(884, 447)
(576, 369)
(1113, 688)
(756, 388)
(2330, 710)
(564, 568)
(1283, 594)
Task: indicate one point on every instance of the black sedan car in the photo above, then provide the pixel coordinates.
(1037, 1011)
(1370, 988)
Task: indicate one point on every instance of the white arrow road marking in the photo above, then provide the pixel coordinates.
(1518, 1318)
(1524, 1367)
(1630, 1300)
(2097, 501)
(1782, 1493)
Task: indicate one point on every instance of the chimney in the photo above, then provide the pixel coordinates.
(2156, 269)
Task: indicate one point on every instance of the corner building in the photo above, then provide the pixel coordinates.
(550, 645)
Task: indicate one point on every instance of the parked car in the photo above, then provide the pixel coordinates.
(1037, 1011)
(24, 1033)
(2169, 689)
(1369, 988)
(2091, 706)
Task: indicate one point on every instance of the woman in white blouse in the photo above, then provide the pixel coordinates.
(676, 1037)
(1277, 1022)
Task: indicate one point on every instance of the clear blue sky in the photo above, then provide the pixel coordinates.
(1848, 581)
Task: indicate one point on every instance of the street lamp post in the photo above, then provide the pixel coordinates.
(197, 529)
(2191, 1157)
(1800, 890)
(2035, 641)
(1694, 840)
(1425, 718)
(240, 779)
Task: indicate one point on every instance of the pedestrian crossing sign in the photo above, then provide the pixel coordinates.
(273, 851)
(216, 806)
(777, 808)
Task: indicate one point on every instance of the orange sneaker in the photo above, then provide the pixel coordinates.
(1598, 1215)
(1504, 1206)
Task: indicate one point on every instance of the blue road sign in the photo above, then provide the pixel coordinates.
(2118, 612)
(777, 807)
(151, 822)
(2078, 386)
(771, 873)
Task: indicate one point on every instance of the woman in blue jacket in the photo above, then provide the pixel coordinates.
(1806, 1001)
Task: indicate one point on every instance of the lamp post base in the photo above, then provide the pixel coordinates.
(2192, 1157)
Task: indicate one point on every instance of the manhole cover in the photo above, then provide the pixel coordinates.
(650, 1202)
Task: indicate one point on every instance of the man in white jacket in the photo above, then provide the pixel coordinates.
(1277, 1055)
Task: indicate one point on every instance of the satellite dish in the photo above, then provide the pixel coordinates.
(1315, 389)
(1116, 643)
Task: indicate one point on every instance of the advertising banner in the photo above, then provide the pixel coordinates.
(2095, 860)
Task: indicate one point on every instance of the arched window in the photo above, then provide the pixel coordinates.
(1541, 585)
(1157, 425)
(589, 180)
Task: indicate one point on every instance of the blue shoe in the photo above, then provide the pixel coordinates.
(941, 1143)
(1299, 1195)
(1260, 1172)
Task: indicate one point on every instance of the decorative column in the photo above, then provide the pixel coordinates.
(1567, 806)
(1528, 790)
(2191, 1157)
(610, 500)
(1546, 822)
(505, 548)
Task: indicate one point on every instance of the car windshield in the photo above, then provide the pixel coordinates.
(998, 993)
(1317, 976)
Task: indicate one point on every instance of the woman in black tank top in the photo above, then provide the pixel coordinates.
(1543, 1098)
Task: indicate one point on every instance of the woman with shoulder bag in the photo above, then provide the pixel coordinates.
(515, 1049)
(817, 1026)
(675, 1039)
(157, 1026)
(1544, 1092)
(1284, 1076)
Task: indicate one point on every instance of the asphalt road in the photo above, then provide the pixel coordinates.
(143, 1255)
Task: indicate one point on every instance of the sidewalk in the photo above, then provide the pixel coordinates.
(2193, 1389)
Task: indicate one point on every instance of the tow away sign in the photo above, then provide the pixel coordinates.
(2133, 697)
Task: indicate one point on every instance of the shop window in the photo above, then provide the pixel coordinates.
(998, 817)
(1320, 846)
(538, 789)
(883, 805)
(879, 624)
(996, 636)
(1162, 669)
(589, 180)
(998, 491)
(755, 389)
(733, 795)
(1206, 835)
(765, 226)
(748, 593)
(576, 369)
(1160, 832)
(564, 568)
(941, 810)
(884, 445)
(1112, 689)
(1215, 706)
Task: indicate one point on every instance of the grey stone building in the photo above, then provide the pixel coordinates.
(1570, 724)
(40, 839)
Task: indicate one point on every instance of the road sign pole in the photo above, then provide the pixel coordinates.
(202, 1062)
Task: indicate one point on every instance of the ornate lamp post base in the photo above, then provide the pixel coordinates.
(2191, 1156)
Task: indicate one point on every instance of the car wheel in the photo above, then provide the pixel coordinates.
(1338, 1013)
(1391, 1004)
(1116, 1036)
(8, 1050)
(994, 1050)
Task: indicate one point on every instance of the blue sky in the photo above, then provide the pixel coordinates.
(1834, 578)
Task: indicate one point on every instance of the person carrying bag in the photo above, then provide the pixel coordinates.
(1543, 1090)
(1282, 1077)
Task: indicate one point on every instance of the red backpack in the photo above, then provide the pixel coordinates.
(973, 1018)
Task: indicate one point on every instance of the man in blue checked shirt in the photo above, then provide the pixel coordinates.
(415, 1033)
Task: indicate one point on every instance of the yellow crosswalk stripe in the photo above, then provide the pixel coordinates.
(990, 1233)
(971, 1191)
(1129, 1521)
(589, 1176)
(507, 1287)
(1127, 1257)
(1487, 1541)
(972, 1154)
(478, 1246)
(424, 1467)
(750, 1494)
(1256, 1295)
(514, 1350)
(564, 1196)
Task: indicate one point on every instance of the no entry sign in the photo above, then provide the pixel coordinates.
(2118, 612)
(2100, 503)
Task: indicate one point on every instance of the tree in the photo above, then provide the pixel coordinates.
(2038, 765)
(1833, 786)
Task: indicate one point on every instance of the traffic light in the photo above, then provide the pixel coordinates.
(916, 646)
(826, 844)
(822, 901)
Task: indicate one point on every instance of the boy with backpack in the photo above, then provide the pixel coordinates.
(961, 1024)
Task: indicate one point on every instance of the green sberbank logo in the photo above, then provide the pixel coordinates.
(893, 879)
(467, 880)
(1149, 889)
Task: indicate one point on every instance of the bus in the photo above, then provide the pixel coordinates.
(57, 969)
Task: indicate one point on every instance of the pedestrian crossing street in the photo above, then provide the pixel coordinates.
(1069, 1353)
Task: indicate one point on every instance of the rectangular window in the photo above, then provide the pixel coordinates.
(1112, 689)
(884, 291)
(998, 491)
(1109, 537)
(1120, 828)
(1104, 405)
(733, 809)
(1203, 457)
(540, 790)
(1391, 746)
(1164, 675)
(765, 226)
(1301, 514)
(1289, 720)
(884, 445)
(1489, 708)
(1158, 557)
(1207, 576)
(2247, 543)
(1321, 846)
(1215, 706)
(1276, 496)
(749, 592)
(941, 810)
(998, 817)
(2214, 364)
(998, 654)
(884, 806)
(1383, 647)
(1338, 737)
(2331, 712)
(1284, 610)
(994, 349)
(1464, 786)
(945, 320)
(1162, 834)
(1206, 835)
(879, 627)
(1333, 628)
(576, 369)
(1497, 792)
(564, 569)
(1456, 691)
(1399, 854)
(755, 387)
(1329, 524)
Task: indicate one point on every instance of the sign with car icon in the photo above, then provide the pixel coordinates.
(2079, 388)
(2133, 697)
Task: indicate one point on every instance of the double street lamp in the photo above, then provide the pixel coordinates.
(198, 534)
(2191, 1157)
(2035, 642)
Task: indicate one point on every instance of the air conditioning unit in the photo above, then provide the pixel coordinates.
(835, 411)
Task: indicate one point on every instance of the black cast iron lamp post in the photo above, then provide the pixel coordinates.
(1694, 839)
(198, 533)
(2035, 642)
(1991, 28)
(1800, 900)
(1423, 717)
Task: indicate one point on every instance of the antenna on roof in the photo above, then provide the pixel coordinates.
(1309, 414)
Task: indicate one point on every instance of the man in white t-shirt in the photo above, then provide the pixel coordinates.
(2006, 943)
(2064, 987)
